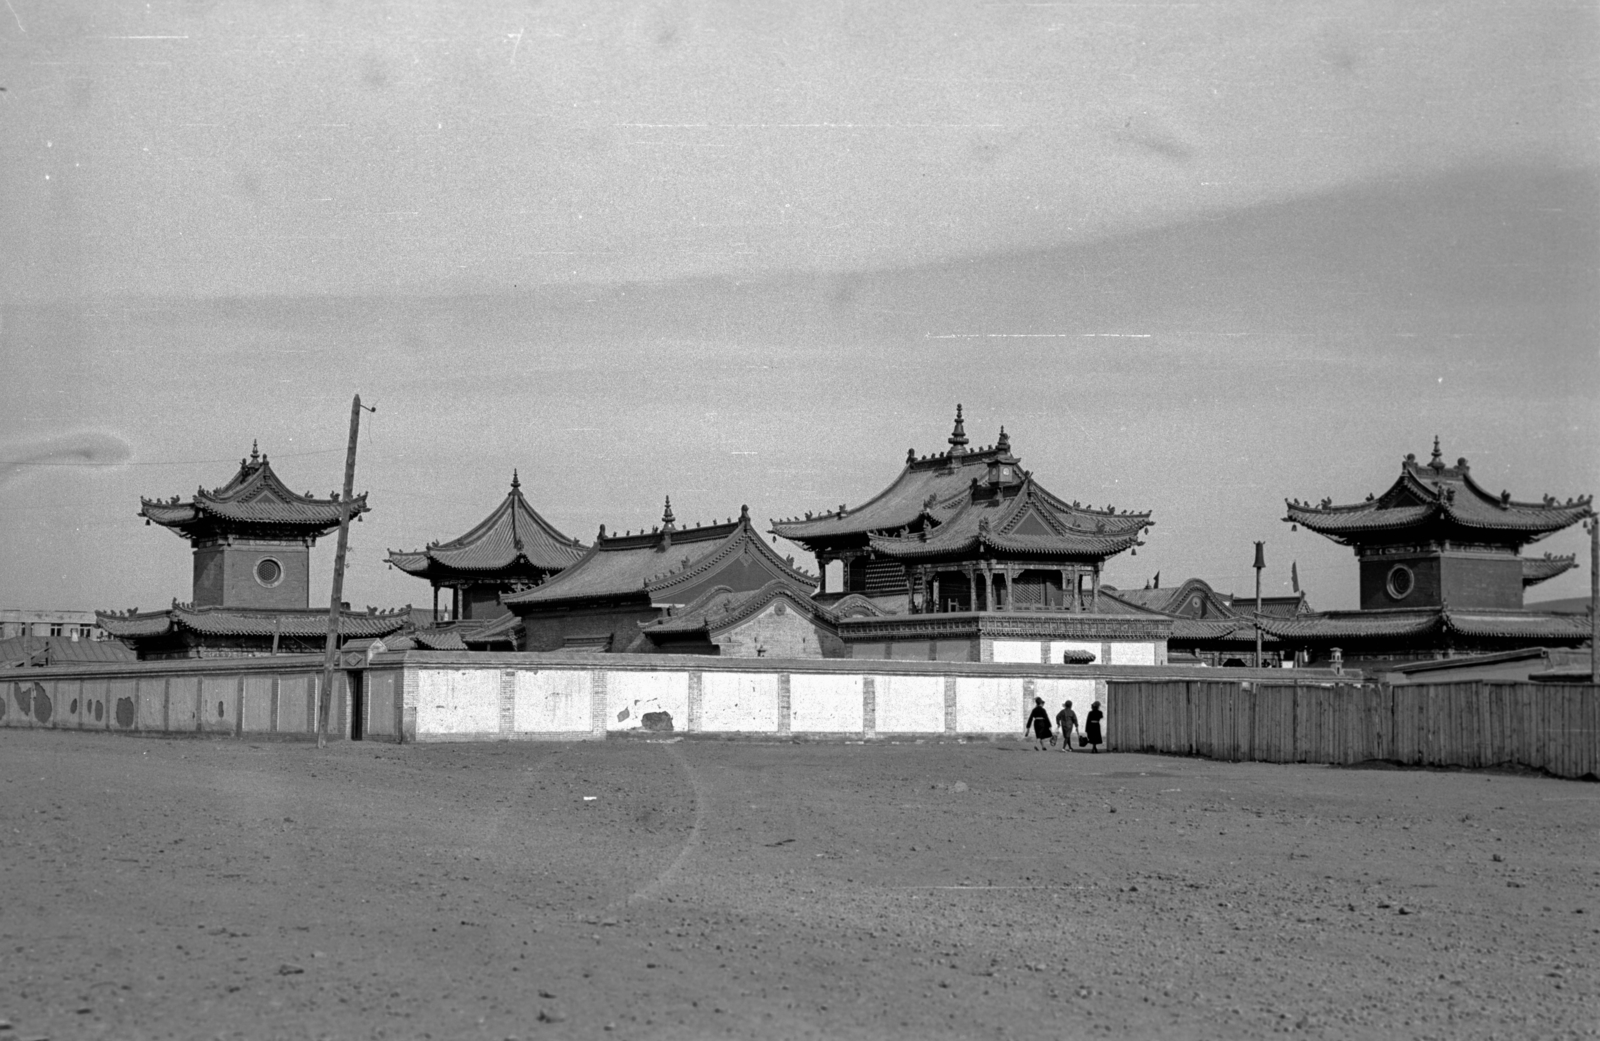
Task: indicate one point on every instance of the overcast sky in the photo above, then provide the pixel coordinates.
(1196, 257)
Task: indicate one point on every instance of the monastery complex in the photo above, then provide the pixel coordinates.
(965, 556)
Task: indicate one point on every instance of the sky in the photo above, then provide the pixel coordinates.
(1197, 258)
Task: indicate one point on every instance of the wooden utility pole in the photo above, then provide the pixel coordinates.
(336, 606)
(1261, 562)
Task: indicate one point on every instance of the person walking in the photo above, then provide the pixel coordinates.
(1067, 723)
(1039, 723)
(1092, 727)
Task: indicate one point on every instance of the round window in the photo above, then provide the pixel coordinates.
(268, 571)
(1401, 582)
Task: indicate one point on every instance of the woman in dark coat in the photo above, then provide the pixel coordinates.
(1091, 726)
(1039, 721)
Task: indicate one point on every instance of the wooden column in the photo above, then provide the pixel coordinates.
(1094, 602)
(822, 573)
(938, 605)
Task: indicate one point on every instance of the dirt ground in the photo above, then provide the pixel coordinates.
(633, 889)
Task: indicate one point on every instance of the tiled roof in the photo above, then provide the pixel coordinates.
(1538, 569)
(56, 650)
(504, 630)
(255, 496)
(235, 621)
(1436, 493)
(652, 564)
(938, 485)
(1354, 624)
(723, 607)
(1517, 625)
(1019, 520)
(1528, 625)
(512, 534)
(1217, 630)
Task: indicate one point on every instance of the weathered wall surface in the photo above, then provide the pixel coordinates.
(630, 696)
(909, 704)
(459, 703)
(739, 702)
(826, 704)
(553, 702)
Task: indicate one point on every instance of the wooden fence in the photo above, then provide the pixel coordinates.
(1544, 726)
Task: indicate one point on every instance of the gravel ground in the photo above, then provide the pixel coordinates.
(643, 889)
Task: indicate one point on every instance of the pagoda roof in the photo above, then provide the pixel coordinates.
(656, 564)
(1538, 569)
(238, 621)
(254, 497)
(1433, 493)
(512, 537)
(938, 484)
(1021, 520)
(723, 607)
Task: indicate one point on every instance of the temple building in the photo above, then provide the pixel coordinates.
(624, 583)
(1212, 628)
(965, 556)
(511, 549)
(252, 542)
(1442, 571)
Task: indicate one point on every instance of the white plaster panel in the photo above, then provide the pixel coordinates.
(989, 705)
(1025, 652)
(909, 704)
(458, 701)
(553, 702)
(629, 695)
(825, 703)
(1058, 646)
(739, 701)
(1133, 654)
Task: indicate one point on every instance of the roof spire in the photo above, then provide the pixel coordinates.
(1004, 444)
(958, 436)
(666, 516)
(515, 484)
(1437, 462)
(254, 454)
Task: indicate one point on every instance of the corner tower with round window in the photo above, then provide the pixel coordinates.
(1438, 539)
(252, 537)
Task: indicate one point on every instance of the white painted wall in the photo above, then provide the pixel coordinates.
(629, 695)
(909, 704)
(739, 701)
(1058, 646)
(826, 704)
(989, 704)
(1133, 654)
(458, 701)
(553, 702)
(1054, 692)
(1024, 652)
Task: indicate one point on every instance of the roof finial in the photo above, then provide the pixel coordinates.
(254, 453)
(1437, 462)
(666, 515)
(958, 436)
(1004, 444)
(515, 484)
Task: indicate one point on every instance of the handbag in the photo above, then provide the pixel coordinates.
(1083, 740)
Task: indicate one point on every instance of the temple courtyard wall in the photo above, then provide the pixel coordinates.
(479, 696)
